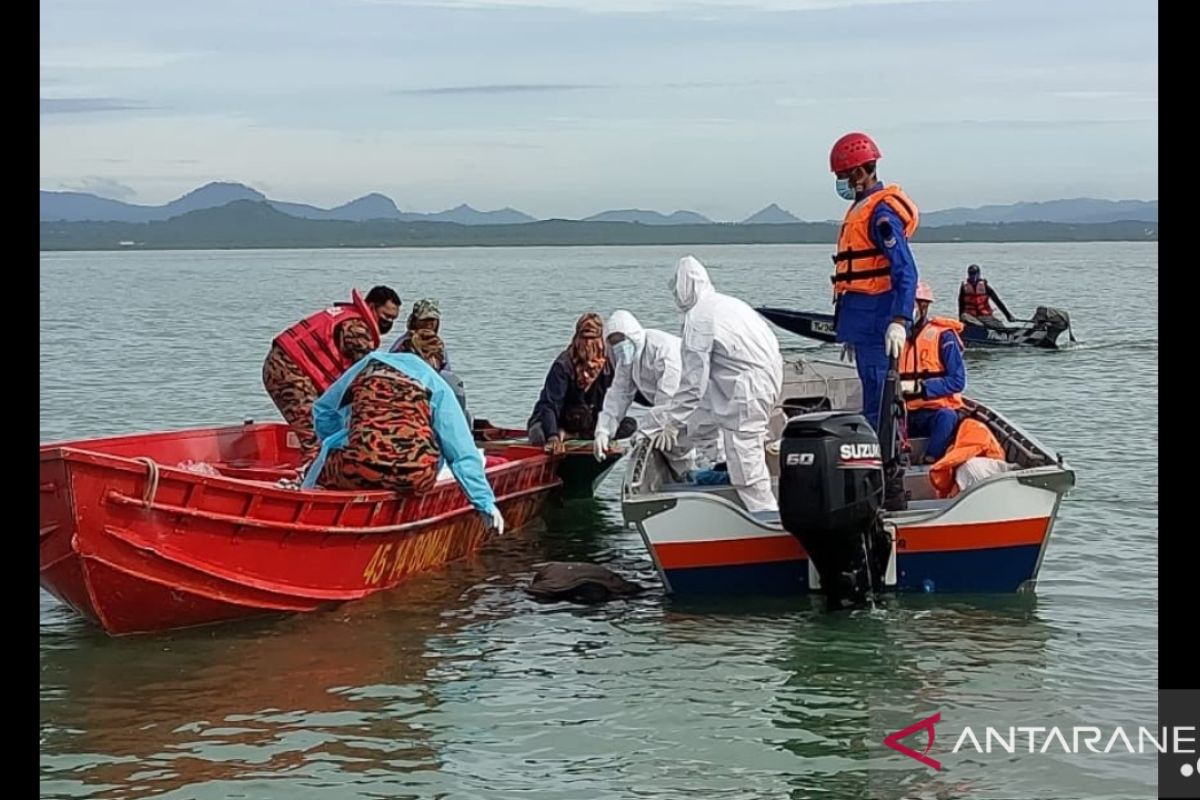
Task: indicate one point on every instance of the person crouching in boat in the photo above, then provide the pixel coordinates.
(389, 423)
(932, 376)
(647, 363)
(729, 356)
(425, 343)
(425, 316)
(306, 358)
(573, 394)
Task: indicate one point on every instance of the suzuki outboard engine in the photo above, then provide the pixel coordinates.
(831, 491)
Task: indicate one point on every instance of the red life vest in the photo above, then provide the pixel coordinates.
(922, 359)
(975, 299)
(860, 266)
(310, 342)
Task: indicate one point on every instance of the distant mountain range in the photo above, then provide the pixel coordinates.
(1079, 210)
(245, 224)
(61, 206)
(82, 207)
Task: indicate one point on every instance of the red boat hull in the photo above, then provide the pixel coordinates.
(135, 543)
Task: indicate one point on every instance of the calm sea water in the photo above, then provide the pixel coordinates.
(457, 685)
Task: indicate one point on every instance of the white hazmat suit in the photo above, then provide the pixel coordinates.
(654, 370)
(732, 364)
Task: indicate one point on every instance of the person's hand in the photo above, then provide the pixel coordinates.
(600, 445)
(556, 445)
(847, 353)
(893, 339)
(494, 520)
(665, 439)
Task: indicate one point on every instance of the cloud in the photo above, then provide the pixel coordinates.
(651, 6)
(109, 56)
(88, 105)
(501, 88)
(102, 187)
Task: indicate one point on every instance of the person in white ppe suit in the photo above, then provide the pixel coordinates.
(648, 362)
(731, 359)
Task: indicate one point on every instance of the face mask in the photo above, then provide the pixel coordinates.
(385, 325)
(624, 351)
(844, 189)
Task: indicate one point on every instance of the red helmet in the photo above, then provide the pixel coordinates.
(853, 150)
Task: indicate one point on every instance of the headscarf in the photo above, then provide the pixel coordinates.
(428, 345)
(424, 309)
(587, 351)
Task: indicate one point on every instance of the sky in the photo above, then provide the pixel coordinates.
(564, 108)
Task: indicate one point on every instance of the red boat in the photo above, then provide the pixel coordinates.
(150, 532)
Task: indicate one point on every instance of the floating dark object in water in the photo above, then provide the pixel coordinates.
(580, 582)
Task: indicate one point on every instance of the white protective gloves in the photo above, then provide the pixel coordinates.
(893, 339)
(600, 446)
(665, 439)
(494, 520)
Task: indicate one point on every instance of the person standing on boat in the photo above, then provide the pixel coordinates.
(389, 423)
(573, 395)
(647, 364)
(973, 301)
(310, 355)
(875, 273)
(425, 316)
(730, 363)
(933, 376)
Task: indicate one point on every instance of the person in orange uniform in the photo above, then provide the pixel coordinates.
(308, 357)
(933, 376)
(875, 273)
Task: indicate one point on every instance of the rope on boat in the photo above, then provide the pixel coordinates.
(151, 489)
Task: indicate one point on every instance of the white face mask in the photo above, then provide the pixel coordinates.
(623, 351)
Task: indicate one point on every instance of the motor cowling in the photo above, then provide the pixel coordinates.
(831, 491)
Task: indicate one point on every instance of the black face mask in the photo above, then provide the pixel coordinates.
(385, 325)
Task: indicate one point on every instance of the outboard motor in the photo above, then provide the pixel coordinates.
(831, 492)
(1053, 319)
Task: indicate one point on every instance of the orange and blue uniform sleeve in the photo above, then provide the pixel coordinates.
(887, 232)
(952, 362)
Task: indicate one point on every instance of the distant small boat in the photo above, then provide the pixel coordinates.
(1043, 331)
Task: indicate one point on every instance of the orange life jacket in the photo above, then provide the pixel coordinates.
(310, 342)
(922, 359)
(860, 266)
(975, 299)
(972, 440)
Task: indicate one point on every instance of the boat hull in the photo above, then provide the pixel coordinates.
(579, 470)
(819, 327)
(990, 542)
(137, 544)
(988, 539)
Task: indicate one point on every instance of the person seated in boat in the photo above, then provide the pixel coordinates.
(932, 376)
(306, 358)
(647, 365)
(975, 298)
(425, 343)
(425, 316)
(573, 394)
(389, 423)
(729, 356)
